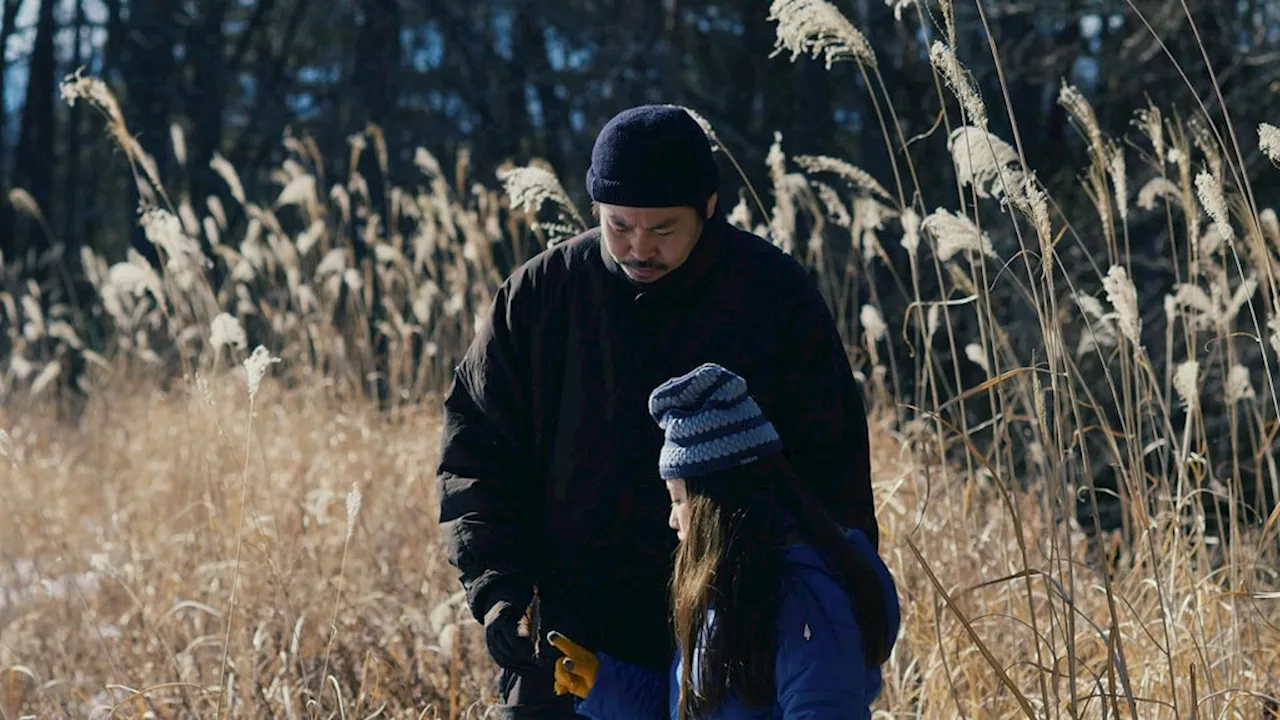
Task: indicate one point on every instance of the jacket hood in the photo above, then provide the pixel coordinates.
(808, 559)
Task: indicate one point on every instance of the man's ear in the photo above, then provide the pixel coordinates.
(711, 205)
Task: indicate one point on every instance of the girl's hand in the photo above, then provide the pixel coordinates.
(576, 671)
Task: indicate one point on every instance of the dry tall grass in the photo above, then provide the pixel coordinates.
(255, 538)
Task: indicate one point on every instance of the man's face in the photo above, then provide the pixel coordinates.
(650, 242)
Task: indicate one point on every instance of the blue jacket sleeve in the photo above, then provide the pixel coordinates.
(625, 692)
(820, 672)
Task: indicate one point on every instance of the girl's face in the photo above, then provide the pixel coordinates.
(679, 518)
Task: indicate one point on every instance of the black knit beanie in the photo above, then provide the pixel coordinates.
(652, 156)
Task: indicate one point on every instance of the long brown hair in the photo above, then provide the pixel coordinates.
(731, 561)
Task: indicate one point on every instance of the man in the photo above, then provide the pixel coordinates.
(548, 475)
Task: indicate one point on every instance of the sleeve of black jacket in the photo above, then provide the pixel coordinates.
(485, 477)
(823, 417)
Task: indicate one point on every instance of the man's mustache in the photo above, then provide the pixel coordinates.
(645, 264)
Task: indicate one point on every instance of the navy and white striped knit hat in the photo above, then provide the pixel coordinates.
(711, 423)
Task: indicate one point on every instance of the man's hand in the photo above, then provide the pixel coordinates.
(509, 645)
(576, 671)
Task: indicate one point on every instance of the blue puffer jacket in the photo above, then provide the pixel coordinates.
(820, 672)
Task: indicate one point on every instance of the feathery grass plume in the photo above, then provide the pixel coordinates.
(1269, 141)
(703, 123)
(956, 76)
(1157, 188)
(255, 367)
(869, 215)
(1204, 312)
(51, 372)
(910, 232)
(225, 331)
(301, 191)
(1074, 102)
(1203, 138)
(93, 91)
(1185, 379)
(836, 208)
(1119, 181)
(22, 201)
(75, 87)
(6, 445)
(1100, 331)
(874, 329)
(1150, 122)
(1270, 227)
(184, 259)
(353, 507)
(1209, 190)
(782, 222)
(227, 172)
(977, 356)
(1239, 386)
(816, 27)
(178, 139)
(981, 159)
(1123, 297)
(33, 318)
(740, 217)
(530, 186)
(1034, 203)
(63, 331)
(1273, 324)
(860, 179)
(954, 233)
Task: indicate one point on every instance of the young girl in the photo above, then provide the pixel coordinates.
(778, 612)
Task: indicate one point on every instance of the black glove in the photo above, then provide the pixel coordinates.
(509, 644)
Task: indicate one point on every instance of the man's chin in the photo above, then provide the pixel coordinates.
(643, 275)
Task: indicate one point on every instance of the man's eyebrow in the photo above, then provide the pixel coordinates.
(663, 225)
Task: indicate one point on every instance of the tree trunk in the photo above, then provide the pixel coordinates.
(35, 157)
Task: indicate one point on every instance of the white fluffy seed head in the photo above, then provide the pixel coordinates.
(984, 161)
(816, 27)
(1185, 377)
(1151, 123)
(1273, 324)
(1116, 169)
(974, 352)
(1214, 201)
(353, 508)
(873, 324)
(1074, 102)
(255, 367)
(1269, 141)
(955, 233)
(955, 75)
(1124, 299)
(1239, 386)
(225, 330)
(1156, 188)
(910, 232)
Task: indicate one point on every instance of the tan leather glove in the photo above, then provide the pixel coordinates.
(576, 671)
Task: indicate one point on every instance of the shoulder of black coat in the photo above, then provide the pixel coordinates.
(554, 263)
(761, 260)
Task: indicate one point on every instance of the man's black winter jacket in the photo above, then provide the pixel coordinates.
(549, 468)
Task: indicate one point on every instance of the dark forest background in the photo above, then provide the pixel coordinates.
(512, 80)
